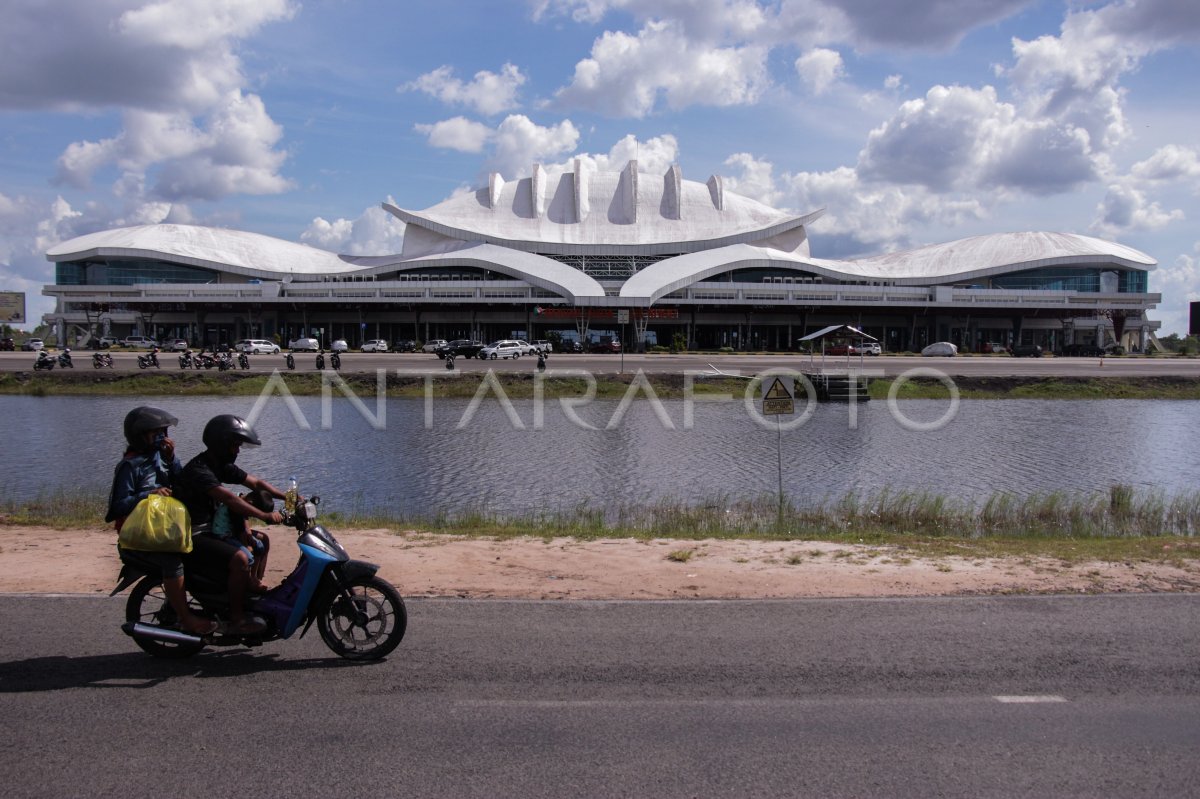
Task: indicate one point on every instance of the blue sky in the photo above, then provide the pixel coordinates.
(911, 123)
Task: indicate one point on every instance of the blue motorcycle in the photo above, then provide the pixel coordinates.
(359, 616)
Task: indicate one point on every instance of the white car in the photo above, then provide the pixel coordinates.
(302, 344)
(139, 341)
(257, 346)
(869, 348)
(543, 346)
(375, 345)
(434, 344)
(339, 345)
(526, 347)
(501, 349)
(940, 348)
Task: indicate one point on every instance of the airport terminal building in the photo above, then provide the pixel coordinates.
(638, 257)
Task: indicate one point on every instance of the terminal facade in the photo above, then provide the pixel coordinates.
(646, 259)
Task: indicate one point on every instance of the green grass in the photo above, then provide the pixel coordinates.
(1119, 525)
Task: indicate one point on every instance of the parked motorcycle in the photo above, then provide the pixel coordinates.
(64, 359)
(44, 361)
(224, 361)
(359, 615)
(320, 361)
(204, 360)
(335, 361)
(291, 362)
(101, 359)
(185, 359)
(149, 359)
(243, 360)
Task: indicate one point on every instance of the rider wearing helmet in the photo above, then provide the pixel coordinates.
(150, 466)
(201, 487)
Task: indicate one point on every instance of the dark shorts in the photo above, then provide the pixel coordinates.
(211, 555)
(169, 564)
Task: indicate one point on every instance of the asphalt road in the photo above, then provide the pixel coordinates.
(889, 366)
(999, 696)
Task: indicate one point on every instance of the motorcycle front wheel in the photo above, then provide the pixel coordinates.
(366, 626)
(148, 604)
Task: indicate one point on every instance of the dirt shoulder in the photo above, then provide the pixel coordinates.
(84, 561)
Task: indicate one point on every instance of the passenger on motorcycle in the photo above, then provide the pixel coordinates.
(150, 466)
(200, 487)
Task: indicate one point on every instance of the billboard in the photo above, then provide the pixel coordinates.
(12, 307)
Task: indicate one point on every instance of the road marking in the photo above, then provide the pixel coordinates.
(1030, 699)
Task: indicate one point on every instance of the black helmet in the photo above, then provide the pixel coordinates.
(222, 432)
(144, 419)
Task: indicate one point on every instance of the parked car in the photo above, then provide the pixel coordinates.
(108, 341)
(433, 344)
(7, 345)
(374, 345)
(1026, 351)
(1082, 351)
(870, 348)
(304, 345)
(405, 345)
(526, 347)
(143, 342)
(543, 346)
(569, 345)
(940, 348)
(501, 349)
(461, 348)
(339, 345)
(605, 346)
(257, 346)
(32, 344)
(841, 349)
(175, 345)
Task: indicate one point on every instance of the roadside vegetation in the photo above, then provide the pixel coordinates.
(522, 385)
(1120, 525)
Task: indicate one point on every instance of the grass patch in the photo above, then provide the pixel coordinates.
(681, 555)
(1120, 525)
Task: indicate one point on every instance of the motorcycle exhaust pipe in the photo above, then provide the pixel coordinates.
(136, 628)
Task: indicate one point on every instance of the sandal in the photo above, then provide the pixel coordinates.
(251, 625)
(204, 627)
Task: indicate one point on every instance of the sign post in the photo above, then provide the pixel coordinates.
(622, 320)
(779, 399)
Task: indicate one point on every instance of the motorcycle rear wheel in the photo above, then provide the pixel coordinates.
(377, 633)
(148, 604)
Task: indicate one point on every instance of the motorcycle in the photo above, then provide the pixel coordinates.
(101, 359)
(291, 362)
(320, 361)
(185, 359)
(44, 361)
(224, 361)
(64, 359)
(149, 359)
(335, 361)
(204, 361)
(243, 360)
(359, 615)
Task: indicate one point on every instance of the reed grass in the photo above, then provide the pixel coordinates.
(1121, 513)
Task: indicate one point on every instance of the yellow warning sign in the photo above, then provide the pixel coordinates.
(780, 398)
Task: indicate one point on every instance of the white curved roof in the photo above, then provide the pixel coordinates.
(223, 250)
(965, 259)
(603, 213)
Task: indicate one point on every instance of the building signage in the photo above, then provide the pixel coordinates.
(12, 307)
(606, 313)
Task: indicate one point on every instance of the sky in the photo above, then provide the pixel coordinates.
(911, 123)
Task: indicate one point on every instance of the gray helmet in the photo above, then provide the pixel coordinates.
(223, 431)
(143, 419)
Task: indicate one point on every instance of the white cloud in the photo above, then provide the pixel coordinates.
(1179, 284)
(631, 75)
(1169, 163)
(820, 69)
(654, 156)
(375, 232)
(519, 142)
(196, 24)
(489, 93)
(958, 138)
(459, 133)
(232, 154)
(1126, 208)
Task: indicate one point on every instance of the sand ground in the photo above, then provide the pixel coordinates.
(84, 561)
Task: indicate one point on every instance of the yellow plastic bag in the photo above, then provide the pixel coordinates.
(157, 524)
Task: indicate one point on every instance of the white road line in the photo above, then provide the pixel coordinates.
(1030, 699)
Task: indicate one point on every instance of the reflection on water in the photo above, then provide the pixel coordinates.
(482, 460)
